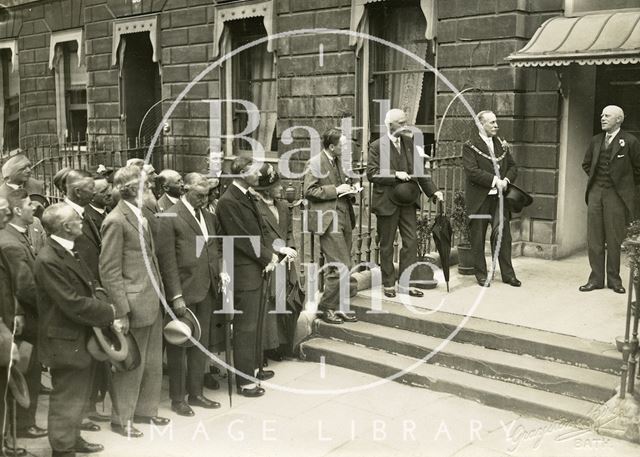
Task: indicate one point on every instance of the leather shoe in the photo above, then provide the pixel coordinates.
(274, 355)
(390, 292)
(588, 287)
(155, 420)
(89, 427)
(210, 382)
(329, 316)
(84, 447)
(31, 432)
(412, 292)
(263, 375)
(181, 408)
(99, 417)
(347, 317)
(128, 431)
(203, 402)
(515, 282)
(619, 290)
(483, 282)
(251, 392)
(20, 452)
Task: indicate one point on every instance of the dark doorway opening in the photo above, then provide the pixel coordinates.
(141, 85)
(619, 85)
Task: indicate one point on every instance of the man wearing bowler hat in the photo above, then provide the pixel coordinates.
(612, 163)
(396, 196)
(482, 195)
(190, 277)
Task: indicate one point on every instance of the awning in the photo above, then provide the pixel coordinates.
(593, 39)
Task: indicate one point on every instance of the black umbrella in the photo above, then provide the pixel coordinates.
(442, 234)
(228, 318)
(265, 295)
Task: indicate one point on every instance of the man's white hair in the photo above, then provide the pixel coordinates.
(616, 111)
(393, 115)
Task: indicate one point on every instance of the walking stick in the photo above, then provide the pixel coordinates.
(262, 306)
(227, 351)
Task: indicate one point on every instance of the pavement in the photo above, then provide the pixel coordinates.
(549, 299)
(315, 410)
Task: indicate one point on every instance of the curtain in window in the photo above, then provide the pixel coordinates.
(264, 94)
(405, 90)
(61, 108)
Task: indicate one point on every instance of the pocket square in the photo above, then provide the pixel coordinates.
(620, 156)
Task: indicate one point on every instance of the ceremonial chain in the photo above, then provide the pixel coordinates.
(486, 156)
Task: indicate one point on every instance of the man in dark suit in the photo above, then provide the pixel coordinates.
(171, 183)
(391, 163)
(99, 206)
(190, 279)
(483, 198)
(8, 309)
(238, 216)
(68, 309)
(130, 273)
(331, 215)
(17, 247)
(612, 163)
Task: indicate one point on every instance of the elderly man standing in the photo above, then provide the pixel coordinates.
(172, 184)
(391, 163)
(612, 163)
(68, 309)
(239, 217)
(482, 196)
(18, 249)
(190, 278)
(130, 273)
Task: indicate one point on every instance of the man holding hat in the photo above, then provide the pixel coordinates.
(483, 183)
(68, 308)
(396, 197)
(190, 279)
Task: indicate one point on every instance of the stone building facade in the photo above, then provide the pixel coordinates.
(104, 72)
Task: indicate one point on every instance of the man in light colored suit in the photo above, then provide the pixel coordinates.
(190, 277)
(331, 216)
(612, 164)
(172, 184)
(16, 172)
(130, 273)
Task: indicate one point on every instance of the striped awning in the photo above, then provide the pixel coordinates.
(593, 39)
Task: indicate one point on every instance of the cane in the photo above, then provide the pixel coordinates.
(262, 306)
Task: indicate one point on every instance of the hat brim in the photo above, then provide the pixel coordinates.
(115, 351)
(518, 199)
(19, 388)
(196, 334)
(405, 193)
(132, 361)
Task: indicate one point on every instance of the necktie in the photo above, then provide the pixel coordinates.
(198, 214)
(76, 255)
(608, 139)
(336, 165)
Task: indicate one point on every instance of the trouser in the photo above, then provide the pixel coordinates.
(245, 332)
(186, 364)
(404, 220)
(478, 231)
(336, 248)
(67, 403)
(26, 417)
(137, 392)
(606, 229)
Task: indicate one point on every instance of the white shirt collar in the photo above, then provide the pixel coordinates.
(135, 209)
(13, 186)
(329, 156)
(613, 134)
(173, 200)
(393, 139)
(67, 244)
(188, 205)
(99, 210)
(18, 228)
(79, 209)
(239, 186)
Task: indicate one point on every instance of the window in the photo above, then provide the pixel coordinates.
(395, 76)
(71, 80)
(581, 7)
(250, 76)
(11, 101)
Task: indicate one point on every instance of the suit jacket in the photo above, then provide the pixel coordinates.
(164, 203)
(275, 229)
(89, 243)
(624, 166)
(479, 171)
(123, 269)
(9, 306)
(21, 257)
(320, 182)
(188, 268)
(381, 204)
(238, 216)
(67, 307)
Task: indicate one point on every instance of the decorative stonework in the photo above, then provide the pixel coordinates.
(135, 25)
(233, 12)
(65, 36)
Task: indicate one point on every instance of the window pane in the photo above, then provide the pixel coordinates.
(77, 75)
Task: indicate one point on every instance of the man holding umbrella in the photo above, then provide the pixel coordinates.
(396, 196)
